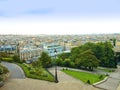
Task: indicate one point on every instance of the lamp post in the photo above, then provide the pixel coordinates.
(56, 77)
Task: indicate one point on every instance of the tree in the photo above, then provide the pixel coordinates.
(113, 41)
(66, 62)
(87, 59)
(45, 60)
(16, 58)
(63, 56)
(59, 62)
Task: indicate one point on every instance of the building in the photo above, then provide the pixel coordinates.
(8, 48)
(30, 53)
(50, 49)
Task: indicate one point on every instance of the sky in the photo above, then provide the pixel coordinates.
(59, 16)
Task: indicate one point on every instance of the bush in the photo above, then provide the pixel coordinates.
(101, 76)
(88, 81)
(45, 75)
(59, 62)
(66, 63)
(4, 69)
(16, 59)
(32, 71)
(29, 68)
(72, 64)
(36, 64)
(1, 70)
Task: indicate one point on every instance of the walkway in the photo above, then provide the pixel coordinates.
(66, 82)
(15, 71)
(112, 82)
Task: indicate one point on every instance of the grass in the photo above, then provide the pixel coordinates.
(38, 73)
(7, 59)
(84, 76)
(106, 69)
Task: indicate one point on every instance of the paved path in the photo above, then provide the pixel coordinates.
(112, 82)
(66, 82)
(15, 70)
(32, 84)
(66, 79)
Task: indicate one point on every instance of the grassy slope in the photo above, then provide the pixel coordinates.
(84, 76)
(49, 77)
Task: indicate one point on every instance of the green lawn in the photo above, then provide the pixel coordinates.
(84, 76)
(38, 73)
(7, 59)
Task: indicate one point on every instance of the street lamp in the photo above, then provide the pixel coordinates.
(56, 78)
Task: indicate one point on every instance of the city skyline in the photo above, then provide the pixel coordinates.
(59, 17)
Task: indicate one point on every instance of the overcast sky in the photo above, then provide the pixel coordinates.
(59, 16)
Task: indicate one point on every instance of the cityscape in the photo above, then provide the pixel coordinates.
(29, 49)
(59, 45)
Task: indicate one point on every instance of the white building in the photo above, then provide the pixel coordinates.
(50, 49)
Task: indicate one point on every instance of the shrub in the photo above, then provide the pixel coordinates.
(32, 72)
(36, 64)
(1, 70)
(38, 71)
(59, 62)
(66, 62)
(45, 75)
(101, 76)
(72, 64)
(29, 68)
(4, 69)
(16, 59)
(88, 81)
(107, 74)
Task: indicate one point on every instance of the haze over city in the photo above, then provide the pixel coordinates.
(59, 17)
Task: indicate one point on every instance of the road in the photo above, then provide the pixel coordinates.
(15, 71)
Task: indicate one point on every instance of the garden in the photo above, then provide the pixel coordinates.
(36, 73)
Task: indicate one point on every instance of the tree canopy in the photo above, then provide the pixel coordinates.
(45, 60)
(92, 53)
